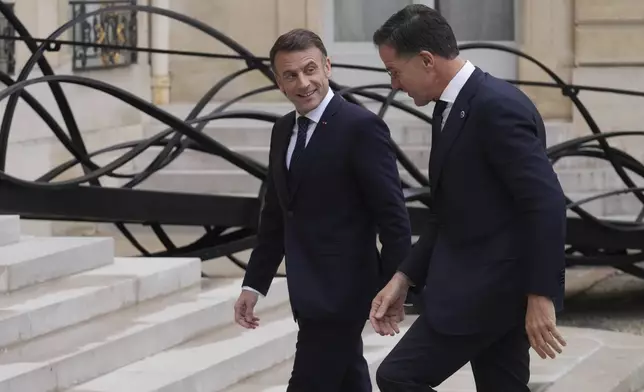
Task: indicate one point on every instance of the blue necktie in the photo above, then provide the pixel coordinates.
(300, 143)
(437, 120)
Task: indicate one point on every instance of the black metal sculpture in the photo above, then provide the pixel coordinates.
(230, 223)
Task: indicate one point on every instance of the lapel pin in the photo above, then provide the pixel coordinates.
(462, 114)
(323, 122)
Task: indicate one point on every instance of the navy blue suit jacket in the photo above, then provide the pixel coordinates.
(326, 215)
(497, 227)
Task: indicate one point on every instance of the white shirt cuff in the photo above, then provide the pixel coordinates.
(252, 289)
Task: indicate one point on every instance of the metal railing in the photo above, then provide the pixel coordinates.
(231, 222)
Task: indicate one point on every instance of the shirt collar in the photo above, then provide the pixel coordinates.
(315, 114)
(458, 81)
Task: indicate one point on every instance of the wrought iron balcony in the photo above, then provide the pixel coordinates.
(109, 28)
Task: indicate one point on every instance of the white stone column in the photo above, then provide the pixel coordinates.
(160, 62)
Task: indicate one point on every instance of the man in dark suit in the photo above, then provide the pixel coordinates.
(332, 187)
(490, 264)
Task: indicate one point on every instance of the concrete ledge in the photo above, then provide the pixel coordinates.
(593, 361)
(74, 355)
(47, 307)
(210, 362)
(39, 260)
(615, 365)
(9, 229)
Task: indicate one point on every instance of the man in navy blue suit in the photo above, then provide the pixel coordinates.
(333, 186)
(490, 264)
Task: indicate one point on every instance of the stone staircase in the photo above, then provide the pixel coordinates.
(202, 173)
(76, 318)
(72, 312)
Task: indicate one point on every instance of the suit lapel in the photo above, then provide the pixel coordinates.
(453, 126)
(318, 140)
(284, 129)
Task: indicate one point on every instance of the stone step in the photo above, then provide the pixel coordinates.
(259, 134)
(220, 182)
(238, 182)
(9, 229)
(75, 355)
(404, 128)
(208, 363)
(594, 179)
(261, 360)
(38, 260)
(621, 206)
(196, 160)
(34, 311)
(589, 169)
(582, 346)
(275, 379)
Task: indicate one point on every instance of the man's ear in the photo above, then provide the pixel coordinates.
(327, 67)
(427, 58)
(277, 80)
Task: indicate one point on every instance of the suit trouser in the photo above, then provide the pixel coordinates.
(424, 358)
(329, 358)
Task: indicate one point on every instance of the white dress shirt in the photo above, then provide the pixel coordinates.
(454, 87)
(314, 115)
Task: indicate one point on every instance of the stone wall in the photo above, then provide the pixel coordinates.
(253, 24)
(609, 52)
(545, 33)
(102, 119)
(587, 42)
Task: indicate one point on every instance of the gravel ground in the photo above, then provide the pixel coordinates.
(614, 302)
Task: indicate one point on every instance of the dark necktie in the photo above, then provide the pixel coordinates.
(437, 120)
(300, 141)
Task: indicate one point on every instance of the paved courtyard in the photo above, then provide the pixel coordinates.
(605, 298)
(603, 323)
(599, 356)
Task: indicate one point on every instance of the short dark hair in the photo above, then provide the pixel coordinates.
(416, 28)
(295, 41)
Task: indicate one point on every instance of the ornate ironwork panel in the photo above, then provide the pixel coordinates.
(110, 28)
(7, 47)
(230, 223)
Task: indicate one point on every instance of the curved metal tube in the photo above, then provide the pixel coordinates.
(187, 134)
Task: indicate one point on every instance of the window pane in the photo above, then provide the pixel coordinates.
(357, 20)
(480, 20)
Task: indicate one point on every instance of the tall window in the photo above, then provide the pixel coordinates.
(350, 24)
(472, 20)
(356, 20)
(480, 20)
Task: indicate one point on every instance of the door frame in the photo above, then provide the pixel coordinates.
(504, 65)
(340, 48)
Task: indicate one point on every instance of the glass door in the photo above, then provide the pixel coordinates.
(492, 21)
(349, 26)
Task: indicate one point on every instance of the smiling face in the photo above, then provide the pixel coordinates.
(303, 76)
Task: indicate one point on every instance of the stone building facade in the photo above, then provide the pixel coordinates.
(585, 42)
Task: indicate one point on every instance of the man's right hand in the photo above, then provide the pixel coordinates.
(244, 310)
(388, 307)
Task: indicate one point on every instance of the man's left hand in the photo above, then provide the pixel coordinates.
(541, 326)
(387, 308)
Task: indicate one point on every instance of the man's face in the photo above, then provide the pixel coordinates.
(303, 76)
(414, 75)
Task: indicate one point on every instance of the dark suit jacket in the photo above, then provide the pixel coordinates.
(497, 228)
(326, 217)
